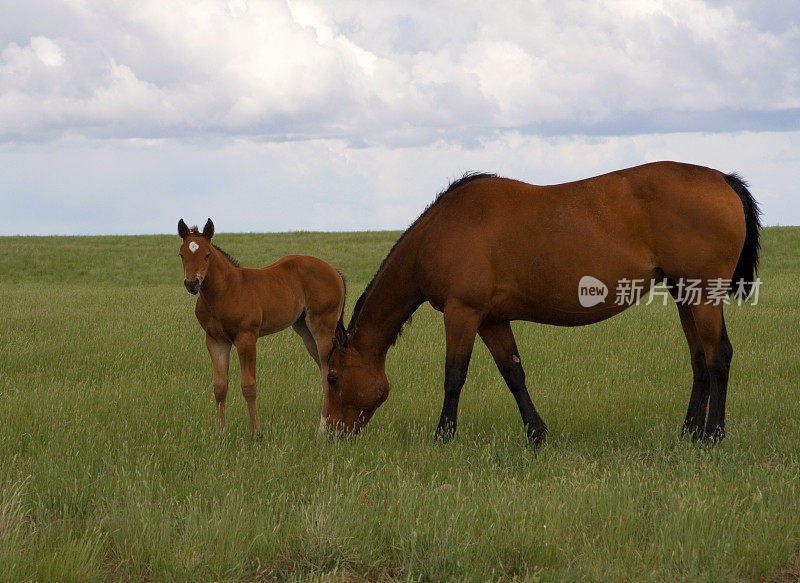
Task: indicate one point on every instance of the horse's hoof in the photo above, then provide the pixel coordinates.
(537, 436)
(692, 432)
(445, 435)
(715, 434)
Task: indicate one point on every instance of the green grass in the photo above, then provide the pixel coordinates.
(111, 468)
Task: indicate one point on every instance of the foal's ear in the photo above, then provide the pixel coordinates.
(183, 230)
(340, 338)
(208, 230)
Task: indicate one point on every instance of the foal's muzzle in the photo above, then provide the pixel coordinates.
(192, 286)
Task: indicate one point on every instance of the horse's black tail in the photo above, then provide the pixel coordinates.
(744, 275)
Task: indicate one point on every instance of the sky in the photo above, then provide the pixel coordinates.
(120, 117)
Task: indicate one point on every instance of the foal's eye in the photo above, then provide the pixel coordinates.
(208, 255)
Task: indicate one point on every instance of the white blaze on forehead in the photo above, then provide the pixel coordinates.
(193, 246)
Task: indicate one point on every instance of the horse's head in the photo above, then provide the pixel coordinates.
(355, 387)
(195, 253)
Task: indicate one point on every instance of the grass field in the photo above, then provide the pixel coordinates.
(111, 468)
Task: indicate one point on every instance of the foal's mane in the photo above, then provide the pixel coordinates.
(453, 186)
(235, 262)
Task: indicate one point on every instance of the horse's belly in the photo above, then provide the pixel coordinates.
(559, 315)
(574, 298)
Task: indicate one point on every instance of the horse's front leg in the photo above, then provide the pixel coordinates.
(246, 347)
(461, 326)
(220, 353)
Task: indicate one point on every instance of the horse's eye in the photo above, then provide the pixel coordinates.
(208, 255)
(180, 255)
(332, 380)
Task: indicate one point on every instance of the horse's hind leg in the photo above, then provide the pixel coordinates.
(694, 424)
(499, 339)
(461, 325)
(718, 352)
(715, 426)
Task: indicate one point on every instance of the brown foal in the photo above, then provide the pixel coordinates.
(237, 305)
(490, 250)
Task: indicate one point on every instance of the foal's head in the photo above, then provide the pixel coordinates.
(356, 386)
(195, 254)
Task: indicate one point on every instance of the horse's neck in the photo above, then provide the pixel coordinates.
(217, 279)
(390, 302)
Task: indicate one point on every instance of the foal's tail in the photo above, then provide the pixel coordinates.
(743, 276)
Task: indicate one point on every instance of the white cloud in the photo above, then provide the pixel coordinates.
(325, 70)
(325, 114)
(47, 51)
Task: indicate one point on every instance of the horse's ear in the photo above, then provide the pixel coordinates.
(208, 230)
(340, 338)
(183, 230)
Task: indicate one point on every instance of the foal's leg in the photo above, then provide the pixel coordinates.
(499, 339)
(320, 329)
(246, 347)
(461, 325)
(220, 358)
(694, 424)
(718, 353)
(302, 330)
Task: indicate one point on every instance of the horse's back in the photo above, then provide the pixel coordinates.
(523, 249)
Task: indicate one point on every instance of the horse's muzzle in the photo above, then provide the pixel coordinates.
(331, 430)
(192, 286)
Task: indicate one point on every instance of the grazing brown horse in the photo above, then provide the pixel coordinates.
(237, 305)
(490, 250)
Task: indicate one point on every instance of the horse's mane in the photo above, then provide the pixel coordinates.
(235, 262)
(453, 186)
